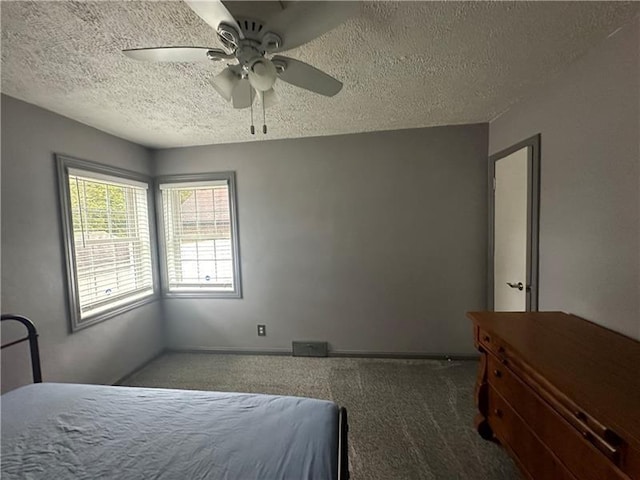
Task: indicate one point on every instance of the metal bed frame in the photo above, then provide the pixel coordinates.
(343, 446)
(34, 350)
(32, 338)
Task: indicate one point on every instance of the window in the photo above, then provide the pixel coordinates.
(200, 235)
(107, 234)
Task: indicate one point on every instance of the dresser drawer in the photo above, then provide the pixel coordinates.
(582, 451)
(492, 343)
(537, 461)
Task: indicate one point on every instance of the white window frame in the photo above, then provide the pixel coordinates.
(65, 166)
(199, 180)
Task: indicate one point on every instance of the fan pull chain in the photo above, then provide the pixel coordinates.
(264, 121)
(253, 129)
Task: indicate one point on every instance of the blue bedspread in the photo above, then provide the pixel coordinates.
(66, 431)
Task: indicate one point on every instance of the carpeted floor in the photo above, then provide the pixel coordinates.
(409, 419)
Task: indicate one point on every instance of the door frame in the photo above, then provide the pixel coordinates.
(533, 218)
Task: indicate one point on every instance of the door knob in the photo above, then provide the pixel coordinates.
(519, 285)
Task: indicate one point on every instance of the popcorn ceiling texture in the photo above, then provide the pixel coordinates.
(403, 64)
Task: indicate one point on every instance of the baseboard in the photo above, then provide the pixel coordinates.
(403, 355)
(334, 353)
(140, 367)
(229, 351)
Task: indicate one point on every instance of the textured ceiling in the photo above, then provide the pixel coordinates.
(403, 64)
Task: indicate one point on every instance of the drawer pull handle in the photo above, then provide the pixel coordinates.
(498, 413)
(497, 373)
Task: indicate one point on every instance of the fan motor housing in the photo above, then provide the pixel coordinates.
(251, 28)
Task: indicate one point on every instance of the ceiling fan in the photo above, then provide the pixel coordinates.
(251, 42)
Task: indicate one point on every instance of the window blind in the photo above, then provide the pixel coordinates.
(111, 241)
(198, 236)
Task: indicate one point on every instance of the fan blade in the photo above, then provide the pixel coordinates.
(302, 21)
(243, 94)
(305, 76)
(214, 13)
(268, 98)
(173, 54)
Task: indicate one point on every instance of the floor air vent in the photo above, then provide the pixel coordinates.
(310, 349)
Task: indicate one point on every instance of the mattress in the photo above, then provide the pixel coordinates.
(64, 431)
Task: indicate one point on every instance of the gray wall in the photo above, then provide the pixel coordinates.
(374, 242)
(590, 186)
(33, 274)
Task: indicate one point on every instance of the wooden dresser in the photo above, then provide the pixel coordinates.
(561, 394)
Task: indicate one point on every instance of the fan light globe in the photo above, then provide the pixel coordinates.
(262, 74)
(225, 82)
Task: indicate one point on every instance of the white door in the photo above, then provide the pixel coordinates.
(511, 232)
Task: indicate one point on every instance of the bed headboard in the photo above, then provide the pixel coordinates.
(32, 338)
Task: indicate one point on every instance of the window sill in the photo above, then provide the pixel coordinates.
(196, 294)
(113, 312)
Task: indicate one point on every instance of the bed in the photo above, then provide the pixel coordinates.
(61, 431)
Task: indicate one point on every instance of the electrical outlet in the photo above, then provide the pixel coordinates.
(262, 330)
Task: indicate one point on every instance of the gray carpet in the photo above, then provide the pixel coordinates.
(409, 419)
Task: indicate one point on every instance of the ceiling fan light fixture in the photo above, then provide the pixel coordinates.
(262, 74)
(225, 82)
(254, 75)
